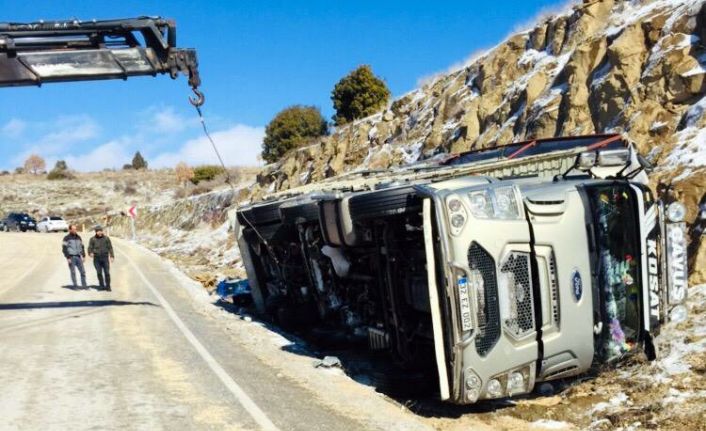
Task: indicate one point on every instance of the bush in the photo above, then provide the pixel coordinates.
(291, 128)
(130, 188)
(206, 173)
(59, 174)
(127, 167)
(358, 95)
(183, 173)
(139, 162)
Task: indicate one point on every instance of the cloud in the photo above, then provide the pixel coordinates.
(58, 137)
(14, 128)
(548, 11)
(165, 120)
(239, 145)
(430, 78)
(113, 154)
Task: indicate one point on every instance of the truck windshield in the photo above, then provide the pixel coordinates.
(618, 257)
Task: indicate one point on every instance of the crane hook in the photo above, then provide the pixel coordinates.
(198, 100)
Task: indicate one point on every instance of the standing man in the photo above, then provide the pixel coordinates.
(74, 252)
(101, 250)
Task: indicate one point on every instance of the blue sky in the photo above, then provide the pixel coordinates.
(256, 57)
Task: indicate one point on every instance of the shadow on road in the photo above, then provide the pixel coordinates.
(71, 304)
(79, 288)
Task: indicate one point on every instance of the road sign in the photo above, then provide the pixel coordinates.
(132, 212)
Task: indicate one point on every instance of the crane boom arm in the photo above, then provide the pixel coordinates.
(62, 51)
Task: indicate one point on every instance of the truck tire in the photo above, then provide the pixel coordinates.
(260, 214)
(386, 202)
(302, 213)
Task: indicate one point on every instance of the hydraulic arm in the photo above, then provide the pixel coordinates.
(61, 51)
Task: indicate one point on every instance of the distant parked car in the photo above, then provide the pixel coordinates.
(52, 224)
(20, 222)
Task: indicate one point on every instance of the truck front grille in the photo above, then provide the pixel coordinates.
(516, 280)
(554, 284)
(487, 293)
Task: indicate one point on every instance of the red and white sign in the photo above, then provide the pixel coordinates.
(132, 212)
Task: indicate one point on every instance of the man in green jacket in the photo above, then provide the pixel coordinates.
(101, 250)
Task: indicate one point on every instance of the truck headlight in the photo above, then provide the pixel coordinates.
(515, 383)
(495, 389)
(603, 158)
(473, 385)
(456, 213)
(481, 205)
(676, 211)
(498, 203)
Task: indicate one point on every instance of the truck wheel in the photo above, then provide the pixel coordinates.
(305, 212)
(386, 202)
(261, 214)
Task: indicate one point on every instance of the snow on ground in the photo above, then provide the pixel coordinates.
(548, 424)
(635, 11)
(690, 149)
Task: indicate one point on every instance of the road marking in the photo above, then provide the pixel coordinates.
(248, 404)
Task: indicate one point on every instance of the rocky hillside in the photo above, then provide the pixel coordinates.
(637, 67)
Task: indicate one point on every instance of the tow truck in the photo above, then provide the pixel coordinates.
(491, 270)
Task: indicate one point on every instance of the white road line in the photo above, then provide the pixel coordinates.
(248, 404)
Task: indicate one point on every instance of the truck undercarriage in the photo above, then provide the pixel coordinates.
(365, 287)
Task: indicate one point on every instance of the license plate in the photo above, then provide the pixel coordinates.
(676, 262)
(464, 304)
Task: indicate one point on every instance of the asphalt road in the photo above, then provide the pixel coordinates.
(140, 357)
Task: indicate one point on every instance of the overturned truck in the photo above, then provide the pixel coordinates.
(493, 269)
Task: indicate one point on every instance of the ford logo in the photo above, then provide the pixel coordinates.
(577, 285)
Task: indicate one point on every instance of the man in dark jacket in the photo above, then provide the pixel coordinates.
(74, 252)
(101, 250)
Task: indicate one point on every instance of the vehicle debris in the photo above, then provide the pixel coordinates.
(328, 362)
(234, 290)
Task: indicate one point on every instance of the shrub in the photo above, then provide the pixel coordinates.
(139, 162)
(183, 173)
(130, 188)
(58, 174)
(127, 167)
(291, 128)
(60, 171)
(206, 173)
(358, 94)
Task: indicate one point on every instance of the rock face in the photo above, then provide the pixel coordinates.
(635, 67)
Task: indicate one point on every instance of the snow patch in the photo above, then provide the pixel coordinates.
(411, 153)
(691, 140)
(549, 424)
(617, 401)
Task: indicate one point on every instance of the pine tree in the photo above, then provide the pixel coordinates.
(358, 94)
(139, 162)
(291, 128)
